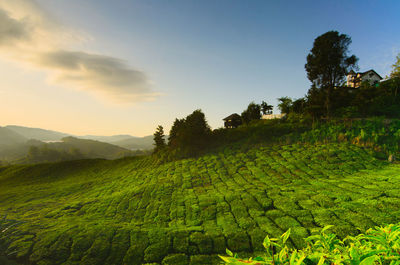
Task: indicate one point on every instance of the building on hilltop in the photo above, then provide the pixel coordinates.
(232, 121)
(355, 79)
(272, 116)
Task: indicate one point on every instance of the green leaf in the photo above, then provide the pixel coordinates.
(321, 260)
(354, 254)
(267, 242)
(282, 253)
(285, 236)
(228, 260)
(369, 260)
(229, 252)
(326, 228)
(300, 260)
(310, 238)
(293, 257)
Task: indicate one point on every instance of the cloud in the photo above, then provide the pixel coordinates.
(31, 36)
(11, 30)
(93, 72)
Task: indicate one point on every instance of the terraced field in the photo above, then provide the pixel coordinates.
(133, 211)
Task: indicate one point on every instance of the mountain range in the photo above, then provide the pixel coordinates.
(25, 133)
(16, 145)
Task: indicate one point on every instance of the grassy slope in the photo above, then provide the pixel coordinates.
(131, 211)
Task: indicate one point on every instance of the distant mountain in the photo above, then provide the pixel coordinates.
(16, 145)
(68, 148)
(134, 143)
(122, 140)
(90, 148)
(107, 139)
(9, 137)
(37, 133)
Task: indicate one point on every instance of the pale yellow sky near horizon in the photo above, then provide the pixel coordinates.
(26, 99)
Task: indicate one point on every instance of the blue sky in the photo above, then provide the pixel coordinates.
(214, 55)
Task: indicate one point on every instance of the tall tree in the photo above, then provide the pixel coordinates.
(285, 104)
(265, 108)
(253, 112)
(159, 140)
(328, 63)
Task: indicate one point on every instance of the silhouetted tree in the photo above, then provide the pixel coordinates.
(159, 140)
(298, 106)
(315, 102)
(328, 62)
(253, 112)
(190, 134)
(175, 132)
(285, 105)
(265, 108)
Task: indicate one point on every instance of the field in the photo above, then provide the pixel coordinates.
(134, 211)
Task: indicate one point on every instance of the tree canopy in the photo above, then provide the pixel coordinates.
(159, 140)
(253, 112)
(285, 104)
(191, 133)
(266, 108)
(328, 63)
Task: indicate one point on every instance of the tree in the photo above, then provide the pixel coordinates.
(298, 105)
(285, 105)
(328, 63)
(190, 134)
(265, 108)
(396, 68)
(253, 112)
(159, 140)
(175, 132)
(315, 98)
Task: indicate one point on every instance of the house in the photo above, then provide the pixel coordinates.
(272, 116)
(232, 121)
(355, 79)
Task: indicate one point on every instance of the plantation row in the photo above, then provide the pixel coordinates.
(187, 211)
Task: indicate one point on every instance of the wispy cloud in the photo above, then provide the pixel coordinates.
(11, 30)
(31, 36)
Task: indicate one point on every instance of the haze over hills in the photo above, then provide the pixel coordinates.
(125, 141)
(37, 133)
(9, 137)
(19, 144)
(107, 139)
(134, 143)
(90, 148)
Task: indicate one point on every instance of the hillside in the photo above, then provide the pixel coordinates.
(134, 143)
(90, 148)
(135, 211)
(68, 148)
(9, 137)
(37, 133)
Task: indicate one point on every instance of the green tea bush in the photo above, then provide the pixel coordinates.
(380, 245)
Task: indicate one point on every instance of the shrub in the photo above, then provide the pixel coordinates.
(377, 246)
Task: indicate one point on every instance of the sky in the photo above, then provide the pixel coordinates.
(125, 66)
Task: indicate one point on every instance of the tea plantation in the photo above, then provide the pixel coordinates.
(135, 211)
